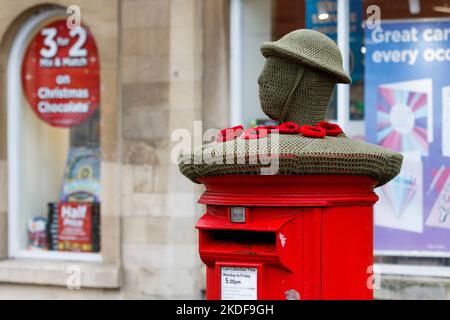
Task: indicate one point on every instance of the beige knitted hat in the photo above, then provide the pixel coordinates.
(299, 76)
(310, 48)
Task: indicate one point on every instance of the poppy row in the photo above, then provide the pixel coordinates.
(322, 129)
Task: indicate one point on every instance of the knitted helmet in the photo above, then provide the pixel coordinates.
(302, 69)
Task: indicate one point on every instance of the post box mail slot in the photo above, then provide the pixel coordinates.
(242, 237)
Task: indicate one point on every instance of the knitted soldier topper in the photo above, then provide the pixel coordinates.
(299, 76)
(295, 87)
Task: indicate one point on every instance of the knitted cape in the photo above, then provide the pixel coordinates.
(298, 155)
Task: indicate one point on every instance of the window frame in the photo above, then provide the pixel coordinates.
(14, 108)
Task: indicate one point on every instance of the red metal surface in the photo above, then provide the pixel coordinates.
(305, 191)
(347, 245)
(316, 234)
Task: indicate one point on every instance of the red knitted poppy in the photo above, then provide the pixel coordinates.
(289, 128)
(229, 133)
(331, 129)
(312, 131)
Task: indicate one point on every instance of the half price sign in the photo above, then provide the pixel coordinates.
(60, 74)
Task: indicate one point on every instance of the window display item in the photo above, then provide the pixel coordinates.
(400, 201)
(37, 237)
(74, 227)
(78, 227)
(405, 117)
(52, 226)
(439, 216)
(82, 176)
(61, 74)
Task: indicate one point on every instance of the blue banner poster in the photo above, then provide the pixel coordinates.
(407, 98)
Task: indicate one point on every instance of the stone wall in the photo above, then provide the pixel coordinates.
(152, 80)
(161, 64)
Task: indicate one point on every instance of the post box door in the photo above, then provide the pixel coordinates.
(277, 251)
(347, 252)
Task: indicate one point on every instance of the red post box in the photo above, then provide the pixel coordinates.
(287, 237)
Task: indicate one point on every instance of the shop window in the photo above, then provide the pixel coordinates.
(53, 141)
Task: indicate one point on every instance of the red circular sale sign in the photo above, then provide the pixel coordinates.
(60, 74)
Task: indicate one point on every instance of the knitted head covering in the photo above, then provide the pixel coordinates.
(301, 69)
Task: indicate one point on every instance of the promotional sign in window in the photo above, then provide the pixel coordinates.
(407, 97)
(77, 227)
(60, 74)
